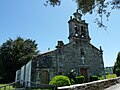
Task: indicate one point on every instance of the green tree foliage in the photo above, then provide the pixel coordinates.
(60, 80)
(13, 55)
(86, 6)
(116, 69)
(100, 7)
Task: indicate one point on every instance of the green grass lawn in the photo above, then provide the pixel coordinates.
(11, 88)
(111, 76)
(7, 88)
(108, 76)
(2, 84)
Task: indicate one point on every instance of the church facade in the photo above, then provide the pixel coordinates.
(79, 55)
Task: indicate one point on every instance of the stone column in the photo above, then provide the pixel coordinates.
(58, 56)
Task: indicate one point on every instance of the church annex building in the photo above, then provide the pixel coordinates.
(79, 54)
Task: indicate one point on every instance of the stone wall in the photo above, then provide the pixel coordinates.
(96, 85)
(72, 59)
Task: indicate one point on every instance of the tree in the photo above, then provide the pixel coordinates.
(13, 55)
(100, 7)
(116, 68)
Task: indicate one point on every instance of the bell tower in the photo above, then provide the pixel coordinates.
(78, 28)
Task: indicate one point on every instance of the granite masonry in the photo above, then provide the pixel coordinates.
(78, 55)
(96, 85)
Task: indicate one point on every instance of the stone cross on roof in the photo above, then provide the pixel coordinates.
(77, 15)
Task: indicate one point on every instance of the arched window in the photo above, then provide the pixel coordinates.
(76, 31)
(82, 31)
(82, 52)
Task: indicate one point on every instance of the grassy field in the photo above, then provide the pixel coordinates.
(7, 88)
(108, 76)
(111, 76)
(11, 88)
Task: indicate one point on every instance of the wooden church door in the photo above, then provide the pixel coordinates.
(84, 72)
(44, 77)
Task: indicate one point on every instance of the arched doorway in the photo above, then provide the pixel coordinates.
(44, 77)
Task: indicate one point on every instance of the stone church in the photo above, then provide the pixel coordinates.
(79, 55)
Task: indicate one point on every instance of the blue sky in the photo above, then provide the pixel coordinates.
(31, 19)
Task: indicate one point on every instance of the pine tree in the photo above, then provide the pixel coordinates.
(116, 69)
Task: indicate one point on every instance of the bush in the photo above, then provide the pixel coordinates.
(60, 80)
(72, 81)
(107, 73)
(94, 78)
(80, 79)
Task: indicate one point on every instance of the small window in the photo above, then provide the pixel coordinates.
(82, 31)
(82, 52)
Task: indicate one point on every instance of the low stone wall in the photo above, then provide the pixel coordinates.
(96, 85)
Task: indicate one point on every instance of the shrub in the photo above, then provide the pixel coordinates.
(72, 81)
(107, 73)
(94, 78)
(60, 80)
(80, 79)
